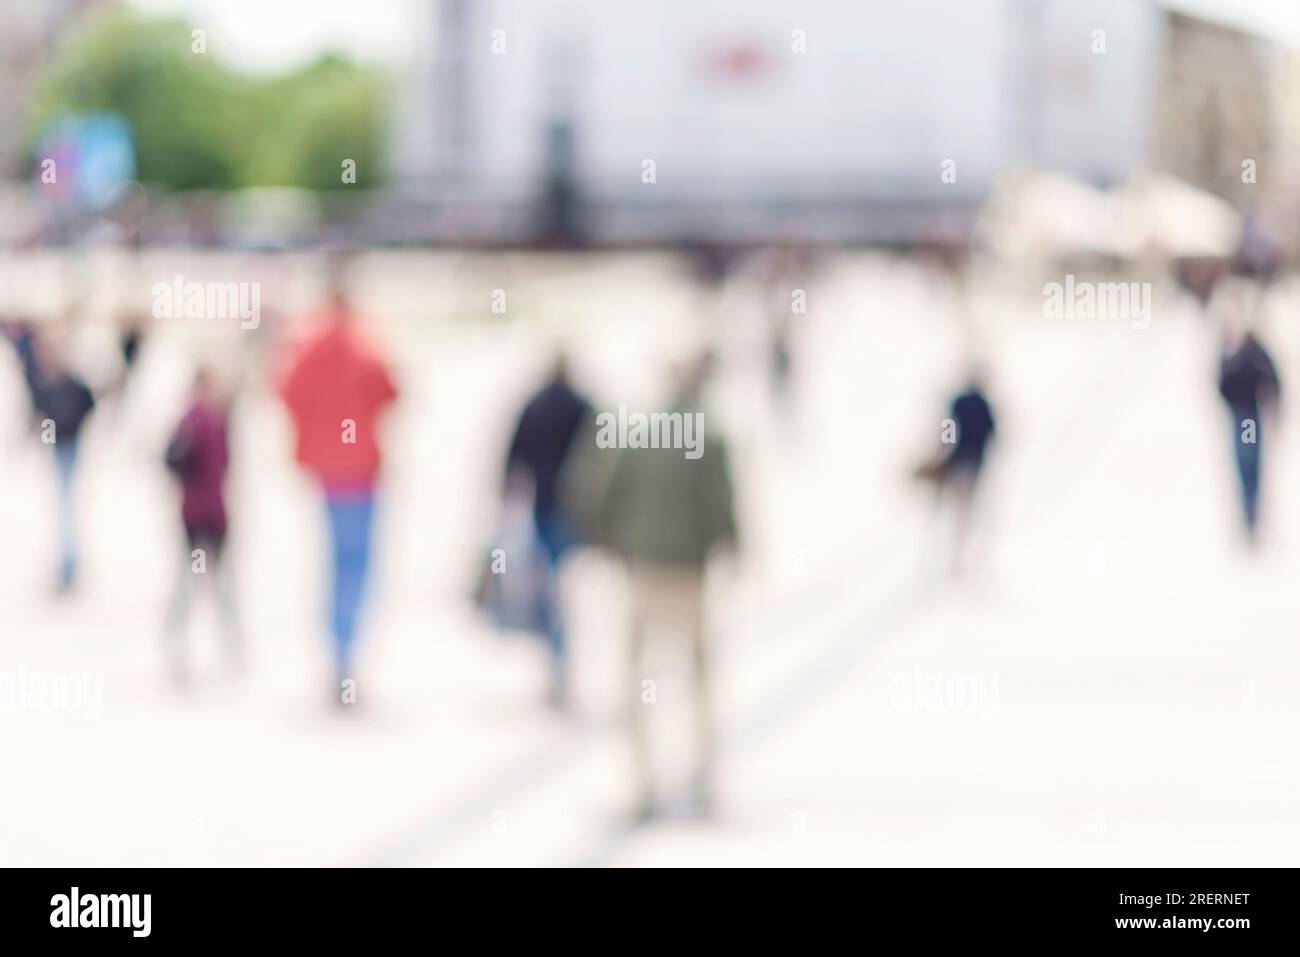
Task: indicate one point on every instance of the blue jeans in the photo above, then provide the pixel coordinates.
(1248, 471)
(65, 460)
(556, 537)
(351, 519)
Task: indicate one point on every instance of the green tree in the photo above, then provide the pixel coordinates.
(198, 124)
(181, 106)
(314, 119)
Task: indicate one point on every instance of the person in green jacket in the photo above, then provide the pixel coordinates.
(664, 511)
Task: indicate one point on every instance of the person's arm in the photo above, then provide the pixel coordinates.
(515, 451)
(384, 386)
(1272, 384)
(1270, 390)
(614, 500)
(290, 386)
(25, 343)
(180, 447)
(585, 484)
(719, 497)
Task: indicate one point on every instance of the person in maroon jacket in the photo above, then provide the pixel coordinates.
(198, 455)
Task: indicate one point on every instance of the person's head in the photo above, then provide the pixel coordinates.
(48, 354)
(338, 292)
(338, 299)
(132, 322)
(203, 385)
(1235, 303)
(976, 373)
(559, 370)
(692, 374)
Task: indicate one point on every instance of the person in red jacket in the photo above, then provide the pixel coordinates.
(336, 390)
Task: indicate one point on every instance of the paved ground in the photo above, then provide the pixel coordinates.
(1117, 685)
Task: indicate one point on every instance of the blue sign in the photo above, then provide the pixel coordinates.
(94, 159)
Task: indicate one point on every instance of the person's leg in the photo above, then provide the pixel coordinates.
(556, 645)
(178, 613)
(227, 610)
(1248, 477)
(641, 605)
(65, 459)
(692, 612)
(178, 607)
(1251, 485)
(552, 533)
(960, 483)
(350, 517)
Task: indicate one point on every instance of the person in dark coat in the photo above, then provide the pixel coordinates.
(131, 333)
(198, 455)
(61, 403)
(966, 434)
(539, 450)
(972, 415)
(1249, 384)
(23, 338)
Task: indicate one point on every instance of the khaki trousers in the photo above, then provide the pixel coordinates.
(668, 602)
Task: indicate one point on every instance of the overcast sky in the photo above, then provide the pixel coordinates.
(272, 35)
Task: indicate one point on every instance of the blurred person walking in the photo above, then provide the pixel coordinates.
(539, 451)
(1249, 384)
(198, 454)
(781, 272)
(519, 600)
(22, 336)
(780, 366)
(130, 337)
(665, 513)
(337, 390)
(61, 401)
(957, 471)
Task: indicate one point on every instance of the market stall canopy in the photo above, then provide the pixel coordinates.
(1164, 214)
(1049, 214)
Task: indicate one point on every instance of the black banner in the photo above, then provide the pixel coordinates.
(139, 908)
